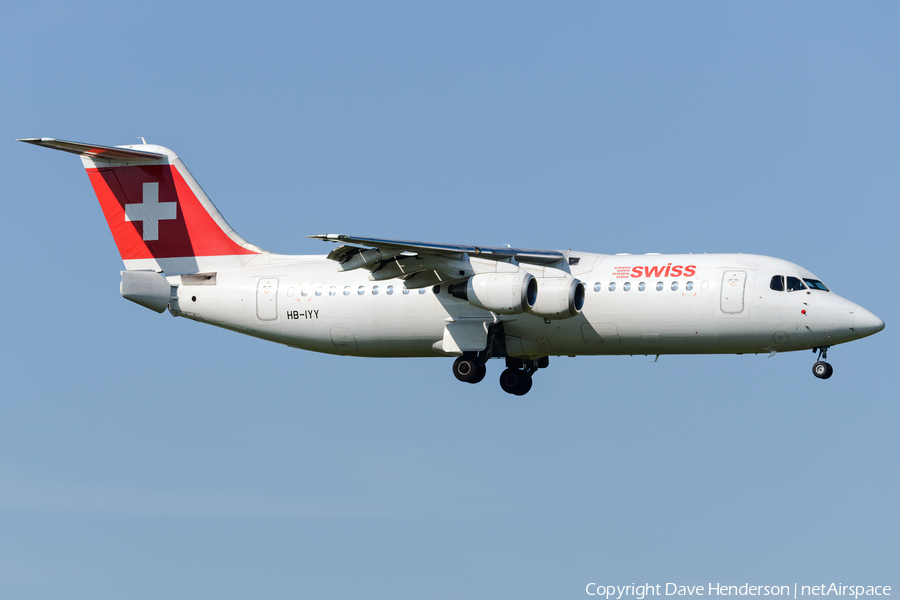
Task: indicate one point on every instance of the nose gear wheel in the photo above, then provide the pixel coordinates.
(822, 369)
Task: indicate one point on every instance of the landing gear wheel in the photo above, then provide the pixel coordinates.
(526, 386)
(482, 371)
(468, 369)
(822, 370)
(515, 381)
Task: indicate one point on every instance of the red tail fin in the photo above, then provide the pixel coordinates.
(159, 216)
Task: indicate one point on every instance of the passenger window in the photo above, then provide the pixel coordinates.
(405, 291)
(389, 290)
(346, 290)
(642, 286)
(674, 286)
(332, 291)
(318, 290)
(689, 285)
(795, 285)
(374, 290)
(304, 291)
(777, 283)
(361, 290)
(612, 286)
(626, 286)
(421, 290)
(659, 286)
(436, 289)
(290, 292)
(815, 284)
(598, 286)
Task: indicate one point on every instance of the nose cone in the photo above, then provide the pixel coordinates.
(866, 323)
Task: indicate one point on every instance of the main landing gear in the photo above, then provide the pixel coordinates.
(516, 379)
(822, 369)
(469, 368)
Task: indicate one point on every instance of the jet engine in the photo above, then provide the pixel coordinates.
(558, 298)
(501, 293)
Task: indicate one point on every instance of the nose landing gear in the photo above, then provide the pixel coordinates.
(822, 369)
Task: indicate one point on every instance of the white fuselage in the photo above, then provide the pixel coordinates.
(724, 304)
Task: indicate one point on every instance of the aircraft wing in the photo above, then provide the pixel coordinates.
(423, 263)
(487, 252)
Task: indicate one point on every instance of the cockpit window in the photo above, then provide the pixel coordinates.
(777, 283)
(794, 284)
(815, 284)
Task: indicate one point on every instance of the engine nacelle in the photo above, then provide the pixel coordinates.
(558, 298)
(501, 293)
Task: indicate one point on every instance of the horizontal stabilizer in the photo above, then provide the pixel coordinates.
(93, 150)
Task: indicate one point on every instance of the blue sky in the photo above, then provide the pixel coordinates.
(144, 456)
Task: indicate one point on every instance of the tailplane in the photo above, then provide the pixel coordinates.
(160, 218)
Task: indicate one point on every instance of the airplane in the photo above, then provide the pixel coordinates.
(378, 297)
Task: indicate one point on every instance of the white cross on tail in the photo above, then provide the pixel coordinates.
(151, 212)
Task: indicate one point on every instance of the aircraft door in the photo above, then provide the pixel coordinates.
(733, 283)
(267, 299)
